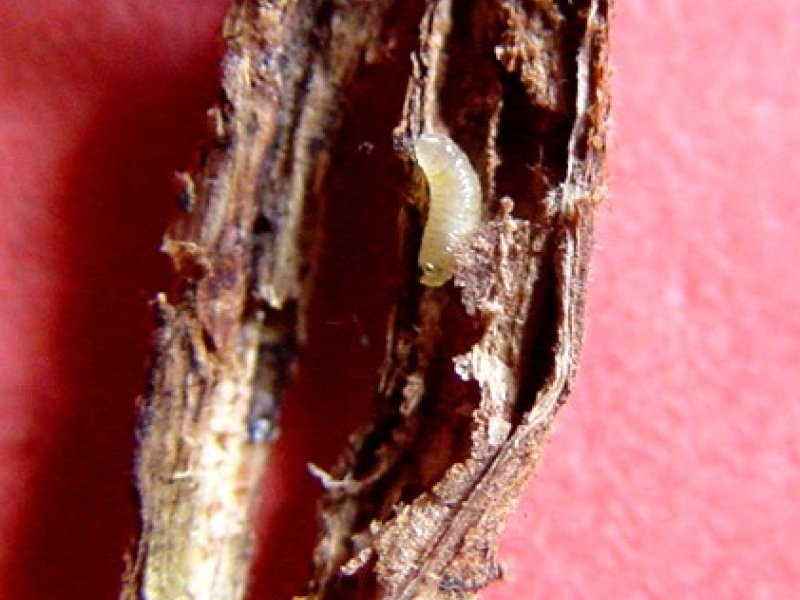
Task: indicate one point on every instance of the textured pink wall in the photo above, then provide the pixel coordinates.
(675, 469)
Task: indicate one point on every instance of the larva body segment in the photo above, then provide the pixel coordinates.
(454, 212)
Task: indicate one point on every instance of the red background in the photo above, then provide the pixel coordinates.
(675, 468)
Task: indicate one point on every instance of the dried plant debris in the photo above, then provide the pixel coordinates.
(476, 372)
(230, 329)
(475, 369)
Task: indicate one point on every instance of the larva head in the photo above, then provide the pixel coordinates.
(434, 275)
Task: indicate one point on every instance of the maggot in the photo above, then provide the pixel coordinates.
(454, 210)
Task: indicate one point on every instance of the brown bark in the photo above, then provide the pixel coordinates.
(474, 372)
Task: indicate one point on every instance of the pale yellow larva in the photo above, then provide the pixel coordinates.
(454, 211)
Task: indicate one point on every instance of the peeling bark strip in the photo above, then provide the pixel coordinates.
(474, 376)
(228, 333)
(475, 371)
